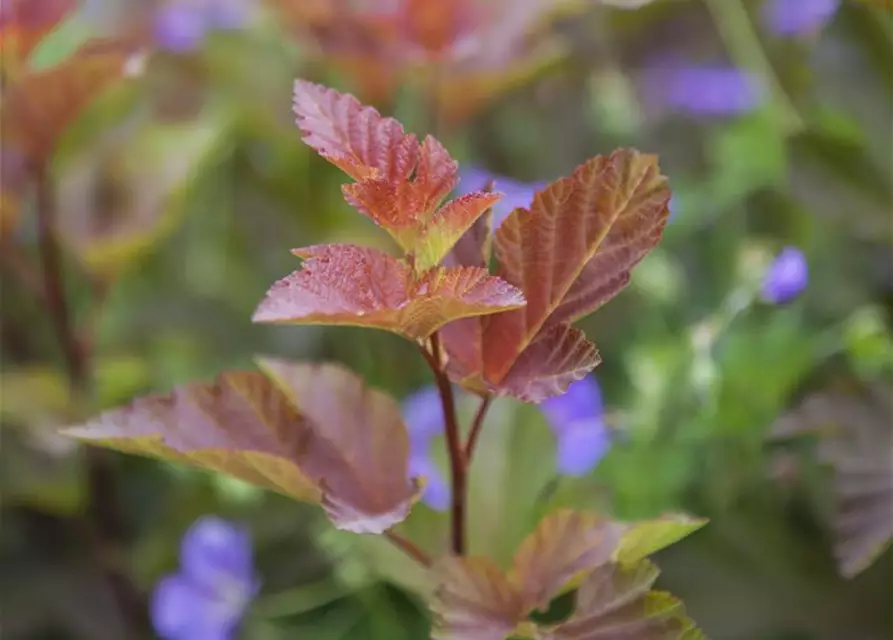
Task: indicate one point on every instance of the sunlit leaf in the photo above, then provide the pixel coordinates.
(355, 138)
(476, 601)
(351, 285)
(856, 438)
(297, 432)
(615, 603)
(448, 225)
(400, 183)
(473, 248)
(571, 252)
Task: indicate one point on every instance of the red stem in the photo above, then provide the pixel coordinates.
(476, 426)
(458, 464)
(409, 547)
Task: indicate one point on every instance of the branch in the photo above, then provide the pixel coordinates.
(409, 547)
(104, 523)
(17, 262)
(458, 464)
(476, 426)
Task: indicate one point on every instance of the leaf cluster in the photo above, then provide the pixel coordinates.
(318, 433)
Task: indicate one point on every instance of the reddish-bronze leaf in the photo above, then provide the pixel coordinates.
(474, 601)
(570, 253)
(351, 285)
(400, 183)
(355, 138)
(610, 212)
(299, 432)
(42, 105)
(559, 355)
(362, 469)
(563, 545)
(615, 603)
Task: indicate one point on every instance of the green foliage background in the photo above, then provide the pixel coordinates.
(695, 370)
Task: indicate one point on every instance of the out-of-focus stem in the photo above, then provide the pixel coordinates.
(736, 30)
(104, 522)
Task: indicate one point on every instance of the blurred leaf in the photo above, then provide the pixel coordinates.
(37, 109)
(868, 342)
(296, 432)
(65, 40)
(351, 285)
(856, 438)
(615, 601)
(645, 538)
(475, 600)
(747, 155)
(615, 207)
(39, 395)
(23, 24)
(122, 195)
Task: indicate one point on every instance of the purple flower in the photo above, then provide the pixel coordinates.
(673, 207)
(207, 597)
(423, 415)
(704, 90)
(577, 419)
(798, 17)
(786, 277)
(516, 194)
(181, 25)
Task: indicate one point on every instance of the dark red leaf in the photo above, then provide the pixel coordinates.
(570, 253)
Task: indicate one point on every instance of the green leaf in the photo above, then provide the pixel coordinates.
(644, 538)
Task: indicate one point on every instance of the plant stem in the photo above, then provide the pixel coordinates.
(409, 547)
(103, 522)
(476, 426)
(458, 463)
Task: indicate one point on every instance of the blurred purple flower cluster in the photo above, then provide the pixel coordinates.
(424, 420)
(207, 598)
(576, 419)
(703, 90)
(182, 25)
(516, 193)
(786, 277)
(798, 17)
